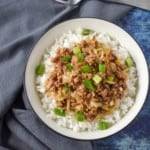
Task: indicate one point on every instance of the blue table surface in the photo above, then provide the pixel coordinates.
(136, 136)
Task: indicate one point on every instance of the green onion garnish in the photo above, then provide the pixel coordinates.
(59, 112)
(97, 79)
(86, 69)
(129, 62)
(103, 125)
(81, 57)
(66, 58)
(69, 67)
(110, 79)
(88, 84)
(86, 31)
(102, 67)
(80, 116)
(76, 50)
(40, 69)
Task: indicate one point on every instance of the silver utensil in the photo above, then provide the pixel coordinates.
(69, 2)
(144, 4)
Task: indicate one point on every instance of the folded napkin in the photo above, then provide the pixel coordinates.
(22, 23)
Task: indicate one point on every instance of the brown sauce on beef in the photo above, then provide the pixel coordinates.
(67, 86)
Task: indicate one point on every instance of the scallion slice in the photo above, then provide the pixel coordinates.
(86, 69)
(86, 31)
(80, 116)
(76, 50)
(102, 68)
(110, 79)
(88, 84)
(97, 79)
(59, 112)
(66, 58)
(69, 67)
(103, 125)
(81, 57)
(129, 62)
(40, 69)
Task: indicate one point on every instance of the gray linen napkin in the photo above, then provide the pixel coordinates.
(22, 23)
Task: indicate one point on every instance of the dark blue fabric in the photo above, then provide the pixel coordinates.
(22, 23)
(136, 136)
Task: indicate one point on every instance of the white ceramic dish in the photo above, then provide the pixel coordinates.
(99, 26)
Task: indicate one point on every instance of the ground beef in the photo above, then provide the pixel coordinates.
(67, 85)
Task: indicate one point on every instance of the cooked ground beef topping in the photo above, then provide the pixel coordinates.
(87, 78)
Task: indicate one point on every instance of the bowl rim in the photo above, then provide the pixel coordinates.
(57, 132)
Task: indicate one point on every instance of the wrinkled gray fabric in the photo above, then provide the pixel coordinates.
(22, 23)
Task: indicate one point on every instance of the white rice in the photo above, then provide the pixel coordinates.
(67, 40)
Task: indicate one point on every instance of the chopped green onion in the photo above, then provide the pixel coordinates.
(59, 112)
(102, 67)
(80, 116)
(66, 58)
(88, 84)
(66, 88)
(80, 57)
(69, 67)
(86, 31)
(97, 79)
(86, 69)
(110, 79)
(103, 125)
(40, 69)
(129, 62)
(76, 50)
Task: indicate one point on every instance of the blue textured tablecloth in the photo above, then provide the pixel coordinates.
(22, 23)
(136, 136)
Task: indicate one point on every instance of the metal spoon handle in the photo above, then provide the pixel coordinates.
(69, 2)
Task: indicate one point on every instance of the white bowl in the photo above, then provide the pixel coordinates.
(101, 26)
